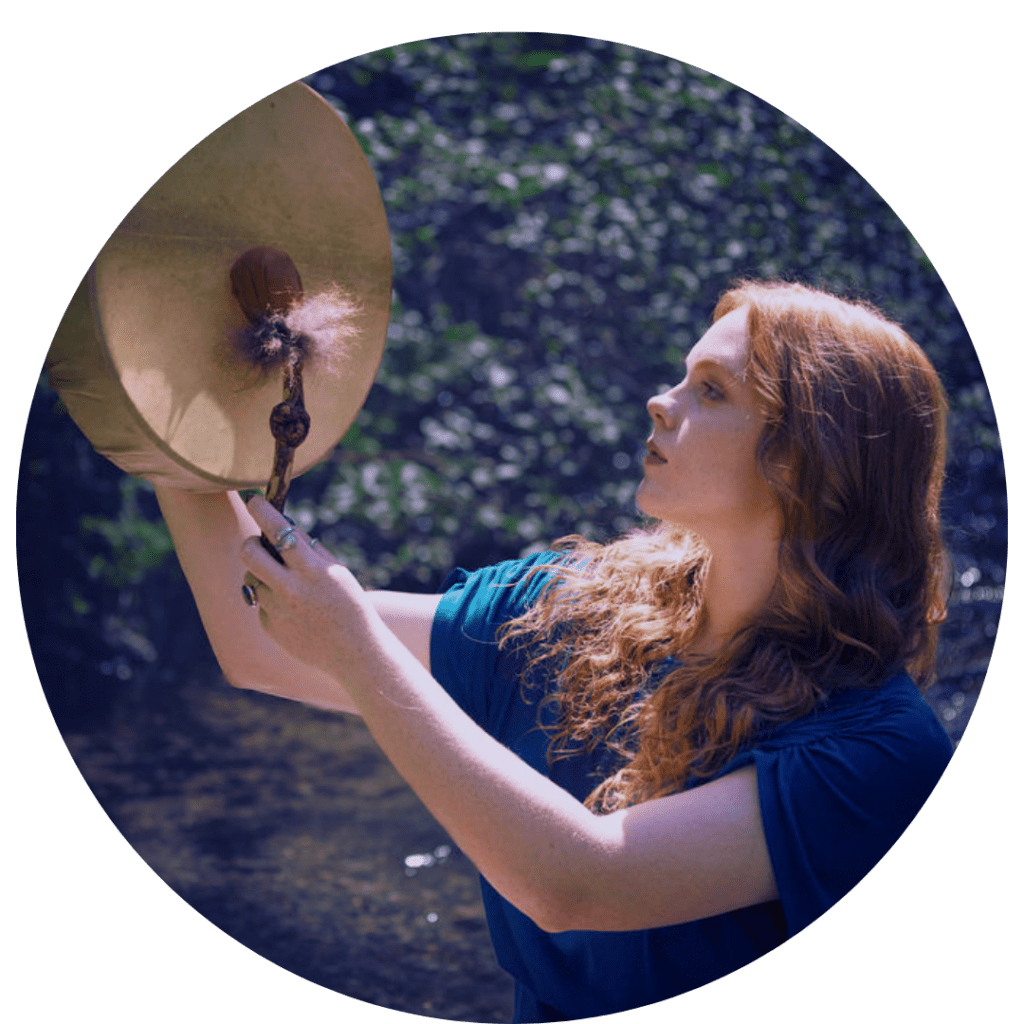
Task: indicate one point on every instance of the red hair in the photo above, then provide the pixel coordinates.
(854, 454)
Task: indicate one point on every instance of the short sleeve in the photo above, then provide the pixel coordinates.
(464, 654)
(834, 804)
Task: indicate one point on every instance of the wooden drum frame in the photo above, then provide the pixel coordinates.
(145, 358)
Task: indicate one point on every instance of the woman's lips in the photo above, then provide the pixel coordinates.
(654, 457)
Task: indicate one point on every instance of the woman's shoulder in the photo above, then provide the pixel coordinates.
(465, 654)
(478, 601)
(504, 573)
(871, 732)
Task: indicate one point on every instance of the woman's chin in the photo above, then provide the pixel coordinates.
(647, 500)
(641, 500)
(649, 506)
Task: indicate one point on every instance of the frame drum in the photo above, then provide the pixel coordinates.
(145, 358)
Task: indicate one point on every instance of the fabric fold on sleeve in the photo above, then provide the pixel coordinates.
(833, 805)
(464, 654)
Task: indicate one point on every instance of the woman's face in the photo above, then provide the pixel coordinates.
(702, 472)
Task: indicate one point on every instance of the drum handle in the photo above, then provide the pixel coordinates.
(266, 284)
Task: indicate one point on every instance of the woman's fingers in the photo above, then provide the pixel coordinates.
(260, 562)
(284, 535)
(286, 538)
(308, 602)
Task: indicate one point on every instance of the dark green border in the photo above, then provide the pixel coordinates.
(104, 96)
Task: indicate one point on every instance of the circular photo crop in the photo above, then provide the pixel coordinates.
(643, 602)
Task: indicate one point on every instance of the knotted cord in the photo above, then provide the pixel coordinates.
(266, 284)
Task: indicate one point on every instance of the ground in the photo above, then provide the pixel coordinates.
(287, 828)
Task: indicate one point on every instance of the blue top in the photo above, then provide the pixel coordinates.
(836, 788)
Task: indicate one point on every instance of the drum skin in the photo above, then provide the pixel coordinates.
(146, 358)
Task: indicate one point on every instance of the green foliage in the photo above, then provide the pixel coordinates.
(135, 542)
(564, 213)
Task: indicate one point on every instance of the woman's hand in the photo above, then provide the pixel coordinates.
(311, 606)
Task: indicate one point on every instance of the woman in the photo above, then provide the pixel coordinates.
(730, 735)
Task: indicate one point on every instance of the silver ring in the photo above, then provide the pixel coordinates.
(249, 595)
(285, 540)
(313, 542)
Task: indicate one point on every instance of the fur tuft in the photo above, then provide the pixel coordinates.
(319, 329)
(328, 321)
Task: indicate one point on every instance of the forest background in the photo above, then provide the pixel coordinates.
(563, 213)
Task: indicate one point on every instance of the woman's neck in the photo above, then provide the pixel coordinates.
(740, 577)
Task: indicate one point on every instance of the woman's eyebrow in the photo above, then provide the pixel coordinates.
(707, 362)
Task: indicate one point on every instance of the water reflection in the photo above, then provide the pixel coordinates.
(415, 861)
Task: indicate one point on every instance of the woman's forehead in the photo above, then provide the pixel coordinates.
(726, 342)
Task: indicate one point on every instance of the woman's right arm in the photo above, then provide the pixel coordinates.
(208, 530)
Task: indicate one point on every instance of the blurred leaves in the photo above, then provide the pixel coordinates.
(564, 213)
(104, 606)
(135, 543)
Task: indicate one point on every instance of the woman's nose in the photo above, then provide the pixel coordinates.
(659, 408)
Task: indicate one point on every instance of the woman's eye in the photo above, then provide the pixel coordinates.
(711, 391)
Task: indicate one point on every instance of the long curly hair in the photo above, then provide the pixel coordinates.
(853, 452)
